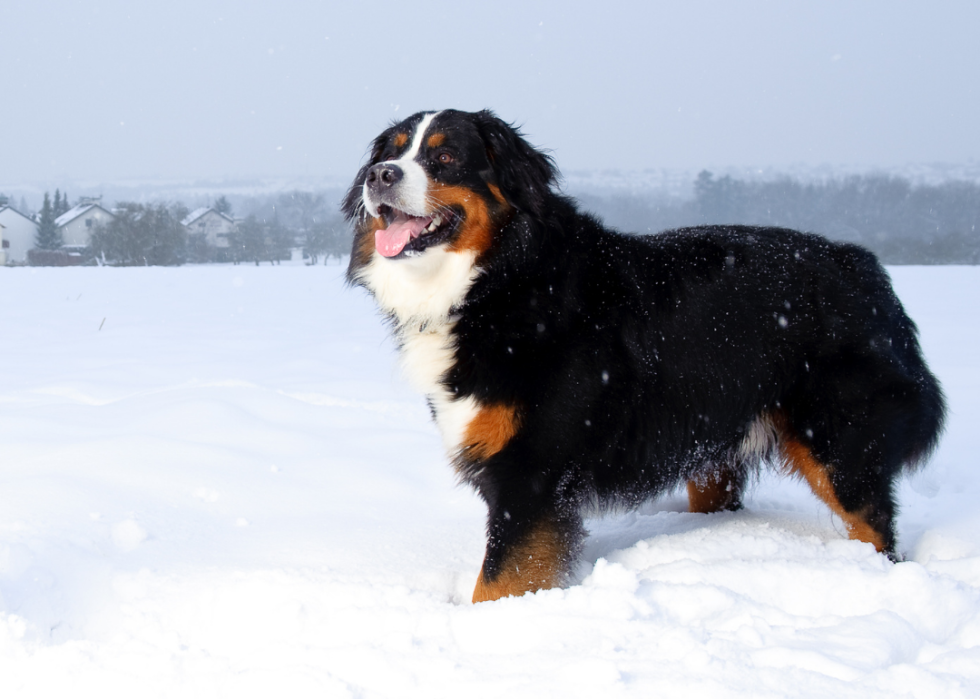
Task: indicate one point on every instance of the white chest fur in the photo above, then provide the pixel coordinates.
(427, 354)
(421, 292)
(423, 288)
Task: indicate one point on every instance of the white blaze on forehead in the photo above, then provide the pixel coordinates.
(420, 130)
(411, 194)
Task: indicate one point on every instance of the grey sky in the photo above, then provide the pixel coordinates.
(209, 88)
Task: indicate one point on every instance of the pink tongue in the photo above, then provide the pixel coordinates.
(393, 239)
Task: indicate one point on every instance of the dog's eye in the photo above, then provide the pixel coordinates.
(445, 158)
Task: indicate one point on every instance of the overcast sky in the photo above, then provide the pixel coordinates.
(115, 89)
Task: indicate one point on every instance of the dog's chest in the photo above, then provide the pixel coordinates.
(427, 354)
(421, 292)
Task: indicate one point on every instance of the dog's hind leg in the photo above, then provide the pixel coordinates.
(860, 421)
(867, 512)
(718, 489)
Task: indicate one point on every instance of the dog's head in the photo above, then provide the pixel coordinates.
(442, 182)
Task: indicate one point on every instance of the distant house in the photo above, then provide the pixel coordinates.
(18, 234)
(213, 225)
(77, 223)
(3, 247)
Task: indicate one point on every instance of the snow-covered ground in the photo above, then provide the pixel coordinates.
(214, 483)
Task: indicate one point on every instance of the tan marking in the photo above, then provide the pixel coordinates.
(495, 191)
(480, 222)
(401, 139)
(490, 430)
(801, 462)
(364, 244)
(537, 563)
(436, 140)
(715, 493)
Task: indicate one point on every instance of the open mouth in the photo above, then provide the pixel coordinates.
(409, 236)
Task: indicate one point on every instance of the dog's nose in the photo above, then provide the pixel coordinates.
(384, 176)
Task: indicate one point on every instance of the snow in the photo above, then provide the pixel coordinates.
(73, 213)
(194, 215)
(214, 482)
(199, 212)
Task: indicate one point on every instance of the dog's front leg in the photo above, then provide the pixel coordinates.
(526, 552)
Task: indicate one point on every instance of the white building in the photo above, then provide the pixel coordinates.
(18, 234)
(77, 223)
(215, 226)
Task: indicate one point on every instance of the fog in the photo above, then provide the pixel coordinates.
(111, 89)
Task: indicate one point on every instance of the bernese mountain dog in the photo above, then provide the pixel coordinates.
(569, 366)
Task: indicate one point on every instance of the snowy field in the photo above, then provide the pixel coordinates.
(214, 483)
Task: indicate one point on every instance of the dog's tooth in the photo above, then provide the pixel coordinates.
(437, 220)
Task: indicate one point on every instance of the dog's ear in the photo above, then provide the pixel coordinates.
(524, 174)
(351, 204)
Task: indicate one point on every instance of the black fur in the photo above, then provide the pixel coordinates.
(639, 362)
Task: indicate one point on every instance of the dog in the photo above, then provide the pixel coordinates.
(569, 366)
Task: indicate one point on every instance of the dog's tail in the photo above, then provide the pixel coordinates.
(917, 397)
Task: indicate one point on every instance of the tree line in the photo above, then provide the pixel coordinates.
(153, 233)
(901, 223)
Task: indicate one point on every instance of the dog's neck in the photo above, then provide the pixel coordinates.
(420, 290)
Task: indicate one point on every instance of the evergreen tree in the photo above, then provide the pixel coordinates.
(60, 204)
(48, 236)
(4, 200)
(222, 206)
